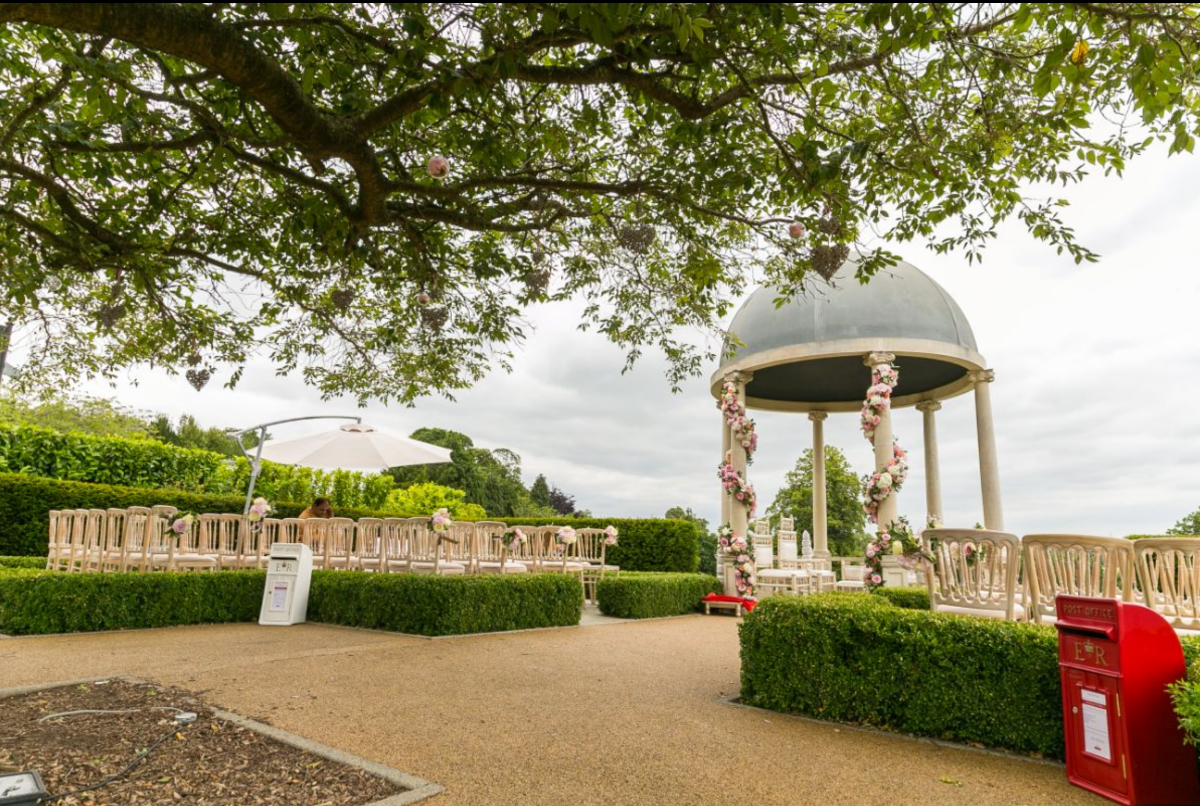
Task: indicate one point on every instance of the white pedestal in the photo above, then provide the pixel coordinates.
(895, 576)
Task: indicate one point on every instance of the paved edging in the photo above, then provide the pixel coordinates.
(417, 789)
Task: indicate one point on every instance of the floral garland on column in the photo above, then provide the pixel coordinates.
(888, 481)
(741, 426)
(743, 561)
(735, 484)
(897, 540)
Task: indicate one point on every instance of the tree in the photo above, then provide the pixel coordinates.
(1188, 525)
(846, 521)
(422, 500)
(371, 194)
(562, 503)
(491, 479)
(190, 434)
(539, 491)
(708, 540)
(85, 415)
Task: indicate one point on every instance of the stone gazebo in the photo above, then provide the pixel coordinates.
(816, 355)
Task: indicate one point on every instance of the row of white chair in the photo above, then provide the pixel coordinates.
(1000, 575)
(140, 538)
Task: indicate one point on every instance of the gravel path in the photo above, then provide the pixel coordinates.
(616, 714)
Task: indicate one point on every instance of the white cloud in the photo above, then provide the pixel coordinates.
(1094, 398)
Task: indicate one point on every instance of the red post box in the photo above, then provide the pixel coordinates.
(1123, 739)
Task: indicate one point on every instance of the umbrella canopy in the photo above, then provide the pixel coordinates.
(355, 446)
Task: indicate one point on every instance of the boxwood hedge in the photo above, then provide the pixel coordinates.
(431, 605)
(645, 544)
(40, 602)
(634, 595)
(22, 562)
(910, 598)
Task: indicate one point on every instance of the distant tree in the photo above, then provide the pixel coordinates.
(1188, 525)
(843, 489)
(539, 491)
(708, 540)
(491, 479)
(83, 415)
(190, 434)
(562, 503)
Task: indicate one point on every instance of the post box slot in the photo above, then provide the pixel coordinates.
(1109, 631)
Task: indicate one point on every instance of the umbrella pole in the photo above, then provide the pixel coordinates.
(255, 467)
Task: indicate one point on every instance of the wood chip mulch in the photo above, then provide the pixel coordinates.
(210, 762)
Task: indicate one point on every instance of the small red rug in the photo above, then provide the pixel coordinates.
(746, 603)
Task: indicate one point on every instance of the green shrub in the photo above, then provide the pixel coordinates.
(23, 562)
(859, 659)
(650, 544)
(914, 598)
(147, 463)
(652, 595)
(437, 605)
(38, 602)
(708, 553)
(1147, 537)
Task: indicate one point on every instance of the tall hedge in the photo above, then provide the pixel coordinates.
(41, 602)
(147, 463)
(25, 503)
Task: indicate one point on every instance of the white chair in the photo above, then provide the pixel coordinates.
(852, 578)
(589, 551)
(770, 580)
(1169, 572)
(789, 559)
(425, 550)
(369, 550)
(1075, 565)
(339, 544)
(459, 545)
(974, 572)
(550, 556)
(52, 538)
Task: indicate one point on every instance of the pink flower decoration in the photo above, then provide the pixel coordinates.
(438, 167)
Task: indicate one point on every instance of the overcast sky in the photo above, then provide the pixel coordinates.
(1096, 392)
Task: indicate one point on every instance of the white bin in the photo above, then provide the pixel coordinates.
(289, 574)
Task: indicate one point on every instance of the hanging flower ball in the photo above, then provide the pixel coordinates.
(423, 298)
(438, 167)
(796, 230)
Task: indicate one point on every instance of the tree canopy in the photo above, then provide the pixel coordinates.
(1187, 525)
(373, 195)
(846, 522)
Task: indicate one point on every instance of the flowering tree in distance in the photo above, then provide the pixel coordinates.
(373, 194)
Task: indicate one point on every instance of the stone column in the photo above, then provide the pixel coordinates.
(820, 515)
(933, 478)
(989, 464)
(739, 514)
(883, 443)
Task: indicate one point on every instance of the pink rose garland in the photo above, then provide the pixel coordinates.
(735, 416)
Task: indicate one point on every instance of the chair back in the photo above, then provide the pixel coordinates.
(1075, 565)
(762, 526)
(525, 553)
(255, 545)
(292, 530)
(396, 554)
(339, 543)
(1169, 572)
(763, 551)
(215, 535)
(157, 538)
(114, 539)
(423, 544)
(789, 554)
(95, 538)
(975, 569)
(489, 546)
(459, 545)
(52, 536)
(368, 543)
(787, 525)
(589, 546)
(548, 553)
(133, 540)
(315, 535)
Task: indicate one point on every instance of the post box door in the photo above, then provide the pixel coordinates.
(1095, 733)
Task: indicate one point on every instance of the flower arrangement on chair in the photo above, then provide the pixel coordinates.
(182, 523)
(260, 509)
(610, 535)
(565, 536)
(512, 540)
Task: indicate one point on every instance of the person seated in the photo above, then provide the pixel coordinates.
(321, 508)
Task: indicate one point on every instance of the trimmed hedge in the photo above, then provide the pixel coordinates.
(25, 502)
(634, 595)
(433, 605)
(23, 562)
(1147, 537)
(39, 602)
(909, 598)
(860, 659)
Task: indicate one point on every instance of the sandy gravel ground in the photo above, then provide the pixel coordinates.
(616, 714)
